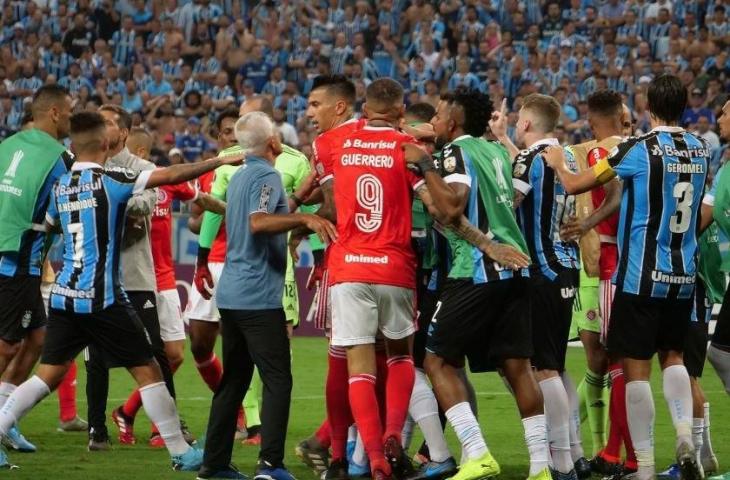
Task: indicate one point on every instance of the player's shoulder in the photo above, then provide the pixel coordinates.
(121, 174)
(527, 155)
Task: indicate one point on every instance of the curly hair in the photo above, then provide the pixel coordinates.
(477, 108)
(605, 102)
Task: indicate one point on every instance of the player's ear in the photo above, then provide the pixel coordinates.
(365, 110)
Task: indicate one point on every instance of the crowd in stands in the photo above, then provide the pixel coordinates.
(176, 63)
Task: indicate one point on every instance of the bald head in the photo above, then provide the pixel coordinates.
(259, 103)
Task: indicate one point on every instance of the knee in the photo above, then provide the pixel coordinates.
(201, 350)
(175, 359)
(432, 364)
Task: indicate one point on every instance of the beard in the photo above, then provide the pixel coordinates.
(113, 144)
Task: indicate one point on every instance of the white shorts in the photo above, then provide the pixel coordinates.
(360, 310)
(172, 327)
(199, 308)
(606, 291)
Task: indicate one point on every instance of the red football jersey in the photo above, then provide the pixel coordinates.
(162, 231)
(608, 227)
(373, 192)
(218, 249)
(327, 145)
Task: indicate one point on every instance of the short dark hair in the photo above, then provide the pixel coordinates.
(230, 112)
(547, 109)
(384, 92)
(87, 131)
(477, 108)
(338, 85)
(605, 103)
(421, 111)
(667, 98)
(124, 118)
(48, 95)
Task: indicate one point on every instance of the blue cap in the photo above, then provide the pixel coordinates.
(194, 120)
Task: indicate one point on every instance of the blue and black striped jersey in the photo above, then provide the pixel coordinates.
(664, 176)
(545, 208)
(28, 260)
(89, 204)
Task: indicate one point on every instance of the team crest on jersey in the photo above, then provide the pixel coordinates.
(320, 169)
(25, 321)
(161, 195)
(450, 164)
(591, 315)
(520, 169)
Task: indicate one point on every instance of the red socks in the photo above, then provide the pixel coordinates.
(364, 404)
(618, 425)
(67, 394)
(339, 415)
(134, 403)
(211, 370)
(323, 434)
(399, 386)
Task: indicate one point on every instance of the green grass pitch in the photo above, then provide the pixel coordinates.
(64, 455)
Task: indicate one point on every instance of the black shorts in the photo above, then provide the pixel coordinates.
(551, 302)
(117, 331)
(721, 337)
(145, 304)
(427, 300)
(641, 325)
(487, 323)
(695, 348)
(21, 307)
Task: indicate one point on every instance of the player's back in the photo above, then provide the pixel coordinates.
(373, 193)
(664, 175)
(90, 206)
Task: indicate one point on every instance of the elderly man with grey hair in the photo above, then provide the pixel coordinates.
(253, 326)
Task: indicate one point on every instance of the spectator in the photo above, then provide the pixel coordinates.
(692, 114)
(704, 132)
(192, 143)
(157, 85)
(286, 130)
(80, 37)
(255, 69)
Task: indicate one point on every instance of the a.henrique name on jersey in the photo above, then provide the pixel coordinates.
(76, 205)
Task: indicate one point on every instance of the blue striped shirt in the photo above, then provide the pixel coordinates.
(56, 65)
(89, 204)
(123, 43)
(664, 177)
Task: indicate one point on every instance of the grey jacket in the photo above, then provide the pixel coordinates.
(138, 271)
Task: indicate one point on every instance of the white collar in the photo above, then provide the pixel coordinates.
(665, 128)
(545, 141)
(368, 127)
(460, 138)
(84, 166)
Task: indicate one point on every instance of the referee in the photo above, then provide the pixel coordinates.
(253, 324)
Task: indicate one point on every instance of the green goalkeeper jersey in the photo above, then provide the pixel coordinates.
(484, 167)
(710, 263)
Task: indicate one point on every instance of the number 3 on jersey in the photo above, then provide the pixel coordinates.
(370, 198)
(683, 192)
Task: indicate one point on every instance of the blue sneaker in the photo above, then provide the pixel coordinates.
(435, 470)
(5, 462)
(190, 461)
(355, 470)
(266, 471)
(671, 473)
(15, 440)
(227, 473)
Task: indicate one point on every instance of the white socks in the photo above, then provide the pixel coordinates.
(576, 443)
(557, 413)
(720, 359)
(406, 434)
(706, 441)
(678, 394)
(6, 389)
(467, 430)
(21, 401)
(698, 429)
(425, 411)
(536, 441)
(161, 410)
(640, 413)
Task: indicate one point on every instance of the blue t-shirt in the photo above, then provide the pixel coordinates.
(192, 146)
(253, 274)
(90, 203)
